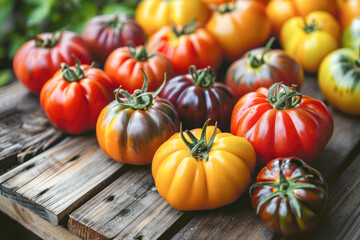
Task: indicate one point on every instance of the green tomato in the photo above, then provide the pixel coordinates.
(351, 35)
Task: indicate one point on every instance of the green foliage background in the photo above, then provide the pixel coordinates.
(21, 20)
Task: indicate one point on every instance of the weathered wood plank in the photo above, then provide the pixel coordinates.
(129, 208)
(59, 180)
(33, 222)
(24, 129)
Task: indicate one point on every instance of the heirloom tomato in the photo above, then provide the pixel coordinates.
(38, 59)
(262, 68)
(73, 98)
(349, 9)
(152, 15)
(339, 80)
(351, 35)
(130, 130)
(123, 67)
(309, 40)
(289, 196)
(108, 32)
(197, 97)
(239, 27)
(205, 170)
(279, 11)
(187, 45)
(211, 3)
(280, 122)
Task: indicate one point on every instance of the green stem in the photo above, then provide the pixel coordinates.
(281, 97)
(309, 28)
(141, 54)
(202, 77)
(254, 61)
(116, 23)
(49, 42)
(225, 8)
(184, 30)
(71, 75)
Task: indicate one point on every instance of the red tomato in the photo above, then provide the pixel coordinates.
(123, 67)
(106, 33)
(186, 46)
(73, 100)
(279, 122)
(38, 59)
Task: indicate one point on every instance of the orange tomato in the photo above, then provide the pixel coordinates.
(220, 2)
(348, 10)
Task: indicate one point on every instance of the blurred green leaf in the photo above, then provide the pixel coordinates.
(15, 44)
(5, 76)
(118, 8)
(40, 12)
(5, 11)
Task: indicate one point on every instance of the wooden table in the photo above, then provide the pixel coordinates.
(65, 187)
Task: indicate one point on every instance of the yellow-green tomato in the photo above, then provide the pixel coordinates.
(339, 80)
(351, 35)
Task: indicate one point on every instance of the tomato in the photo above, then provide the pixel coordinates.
(280, 122)
(131, 130)
(211, 3)
(289, 196)
(349, 9)
(73, 98)
(261, 68)
(197, 97)
(239, 27)
(206, 170)
(186, 46)
(106, 33)
(351, 35)
(38, 59)
(279, 11)
(152, 15)
(339, 80)
(123, 67)
(310, 40)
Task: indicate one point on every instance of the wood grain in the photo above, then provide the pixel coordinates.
(59, 180)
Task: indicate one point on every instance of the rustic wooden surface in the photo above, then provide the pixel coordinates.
(64, 187)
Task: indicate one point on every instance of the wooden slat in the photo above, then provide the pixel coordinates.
(59, 180)
(130, 208)
(24, 129)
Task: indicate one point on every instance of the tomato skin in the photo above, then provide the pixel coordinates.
(124, 69)
(33, 65)
(279, 11)
(211, 3)
(351, 35)
(191, 184)
(199, 48)
(102, 38)
(196, 104)
(234, 29)
(152, 15)
(339, 77)
(132, 136)
(243, 78)
(310, 44)
(74, 107)
(301, 131)
(278, 213)
(348, 9)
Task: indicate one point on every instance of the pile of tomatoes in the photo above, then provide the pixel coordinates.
(143, 95)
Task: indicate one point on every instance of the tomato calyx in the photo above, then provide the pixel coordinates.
(199, 148)
(71, 75)
(281, 97)
(116, 23)
(225, 8)
(48, 42)
(256, 62)
(202, 77)
(142, 54)
(312, 27)
(141, 99)
(187, 29)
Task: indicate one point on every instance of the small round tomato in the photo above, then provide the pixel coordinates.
(206, 170)
(152, 15)
(309, 40)
(239, 27)
(105, 33)
(279, 11)
(73, 98)
(262, 68)
(123, 67)
(289, 196)
(186, 46)
(131, 130)
(351, 35)
(197, 97)
(339, 80)
(38, 59)
(280, 122)
(349, 9)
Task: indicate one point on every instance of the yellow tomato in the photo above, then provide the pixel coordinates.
(151, 15)
(339, 80)
(310, 39)
(209, 171)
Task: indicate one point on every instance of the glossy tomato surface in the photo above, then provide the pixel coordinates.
(348, 9)
(38, 59)
(290, 196)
